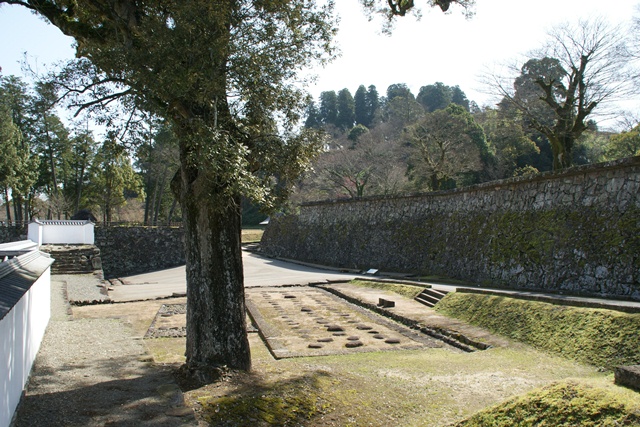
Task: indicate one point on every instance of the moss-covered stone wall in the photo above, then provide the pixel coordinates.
(134, 250)
(576, 231)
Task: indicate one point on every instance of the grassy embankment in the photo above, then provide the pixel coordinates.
(252, 235)
(603, 338)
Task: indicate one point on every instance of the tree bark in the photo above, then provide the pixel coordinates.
(216, 322)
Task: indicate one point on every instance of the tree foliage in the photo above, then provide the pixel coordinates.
(329, 108)
(394, 8)
(112, 177)
(581, 68)
(158, 161)
(346, 110)
(449, 144)
(360, 106)
(624, 144)
(222, 75)
(9, 159)
(51, 174)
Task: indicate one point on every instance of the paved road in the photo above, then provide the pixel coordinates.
(258, 271)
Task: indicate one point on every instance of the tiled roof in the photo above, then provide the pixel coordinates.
(18, 275)
(17, 248)
(63, 222)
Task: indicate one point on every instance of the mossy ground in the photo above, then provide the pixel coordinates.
(408, 291)
(563, 404)
(432, 387)
(604, 338)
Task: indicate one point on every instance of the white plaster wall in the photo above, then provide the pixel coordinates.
(89, 236)
(35, 232)
(21, 333)
(67, 234)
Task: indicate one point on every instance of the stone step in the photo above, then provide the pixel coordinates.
(628, 376)
(430, 297)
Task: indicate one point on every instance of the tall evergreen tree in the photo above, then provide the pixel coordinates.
(15, 95)
(9, 160)
(158, 163)
(313, 119)
(53, 145)
(399, 90)
(373, 105)
(434, 97)
(81, 158)
(346, 109)
(459, 97)
(329, 108)
(360, 101)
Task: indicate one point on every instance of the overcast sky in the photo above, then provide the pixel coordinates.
(440, 47)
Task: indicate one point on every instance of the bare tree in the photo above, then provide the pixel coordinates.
(373, 165)
(581, 68)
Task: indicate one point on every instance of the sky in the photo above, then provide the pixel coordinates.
(440, 47)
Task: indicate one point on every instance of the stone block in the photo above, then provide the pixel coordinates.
(628, 376)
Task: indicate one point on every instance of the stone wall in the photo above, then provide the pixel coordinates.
(134, 250)
(577, 231)
(12, 233)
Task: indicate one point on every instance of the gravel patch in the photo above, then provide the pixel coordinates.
(83, 289)
(170, 322)
(93, 372)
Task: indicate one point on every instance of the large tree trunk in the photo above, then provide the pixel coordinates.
(561, 150)
(216, 322)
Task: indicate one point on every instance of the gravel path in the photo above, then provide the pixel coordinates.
(93, 372)
(83, 288)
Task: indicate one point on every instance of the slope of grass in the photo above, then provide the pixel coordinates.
(564, 404)
(604, 338)
(408, 291)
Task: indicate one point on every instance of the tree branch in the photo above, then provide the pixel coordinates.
(109, 98)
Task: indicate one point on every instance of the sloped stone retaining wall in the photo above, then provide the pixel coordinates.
(576, 231)
(134, 250)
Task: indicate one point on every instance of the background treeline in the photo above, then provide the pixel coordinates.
(375, 145)
(52, 170)
(437, 139)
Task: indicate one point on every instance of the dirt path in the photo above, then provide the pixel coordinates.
(94, 372)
